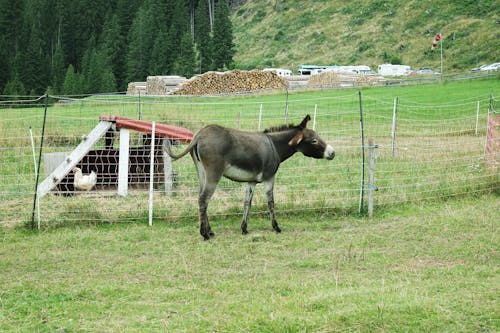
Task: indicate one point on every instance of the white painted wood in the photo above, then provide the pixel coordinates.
(73, 158)
(123, 162)
(168, 170)
(151, 173)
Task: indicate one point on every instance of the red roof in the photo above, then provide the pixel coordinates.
(167, 131)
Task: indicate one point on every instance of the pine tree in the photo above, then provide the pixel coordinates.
(140, 45)
(202, 37)
(185, 62)
(73, 82)
(10, 33)
(14, 87)
(162, 58)
(223, 47)
(58, 70)
(111, 46)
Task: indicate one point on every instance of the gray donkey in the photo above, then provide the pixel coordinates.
(252, 157)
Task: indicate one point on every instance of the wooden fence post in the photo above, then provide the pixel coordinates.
(371, 176)
(394, 124)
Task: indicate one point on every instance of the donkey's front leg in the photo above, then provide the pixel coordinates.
(269, 188)
(246, 207)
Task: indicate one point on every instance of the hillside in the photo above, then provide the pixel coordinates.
(288, 33)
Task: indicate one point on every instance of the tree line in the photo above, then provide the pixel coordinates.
(91, 46)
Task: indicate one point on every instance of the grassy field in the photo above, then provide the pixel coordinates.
(438, 154)
(413, 268)
(428, 261)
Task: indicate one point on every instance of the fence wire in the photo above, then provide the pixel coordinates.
(430, 151)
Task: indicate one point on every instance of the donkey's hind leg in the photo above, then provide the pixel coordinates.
(246, 207)
(208, 182)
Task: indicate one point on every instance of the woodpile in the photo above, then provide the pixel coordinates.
(237, 81)
(163, 85)
(343, 79)
(136, 88)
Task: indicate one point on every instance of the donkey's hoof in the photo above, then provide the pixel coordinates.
(277, 229)
(244, 231)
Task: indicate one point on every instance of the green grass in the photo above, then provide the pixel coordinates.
(438, 153)
(415, 267)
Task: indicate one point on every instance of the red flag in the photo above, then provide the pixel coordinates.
(437, 38)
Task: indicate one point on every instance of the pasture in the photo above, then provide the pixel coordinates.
(427, 261)
(438, 150)
(412, 268)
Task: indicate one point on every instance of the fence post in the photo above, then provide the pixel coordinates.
(151, 174)
(260, 117)
(36, 173)
(477, 117)
(286, 107)
(140, 106)
(123, 160)
(237, 123)
(371, 176)
(314, 116)
(35, 199)
(394, 124)
(361, 190)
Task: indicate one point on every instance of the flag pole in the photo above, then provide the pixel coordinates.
(441, 40)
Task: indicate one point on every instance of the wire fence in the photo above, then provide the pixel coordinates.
(425, 152)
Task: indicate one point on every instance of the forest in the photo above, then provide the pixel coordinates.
(91, 46)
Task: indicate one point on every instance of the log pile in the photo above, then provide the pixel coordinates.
(236, 81)
(163, 85)
(136, 88)
(343, 79)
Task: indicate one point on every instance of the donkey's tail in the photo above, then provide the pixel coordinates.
(168, 149)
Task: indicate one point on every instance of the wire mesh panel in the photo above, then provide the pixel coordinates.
(426, 150)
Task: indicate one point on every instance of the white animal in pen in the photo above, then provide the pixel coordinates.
(84, 182)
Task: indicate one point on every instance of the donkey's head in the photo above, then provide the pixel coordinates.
(309, 143)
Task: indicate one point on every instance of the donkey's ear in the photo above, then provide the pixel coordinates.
(296, 139)
(303, 124)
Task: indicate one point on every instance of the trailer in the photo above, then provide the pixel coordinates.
(393, 70)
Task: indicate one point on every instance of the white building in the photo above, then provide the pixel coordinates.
(393, 70)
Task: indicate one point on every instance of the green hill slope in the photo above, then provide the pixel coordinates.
(288, 33)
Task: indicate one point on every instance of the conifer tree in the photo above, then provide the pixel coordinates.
(140, 45)
(202, 37)
(73, 82)
(223, 47)
(162, 57)
(185, 62)
(58, 70)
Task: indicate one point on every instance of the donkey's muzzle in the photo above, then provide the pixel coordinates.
(329, 153)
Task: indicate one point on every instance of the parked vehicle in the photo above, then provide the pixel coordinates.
(480, 68)
(393, 70)
(426, 71)
(492, 67)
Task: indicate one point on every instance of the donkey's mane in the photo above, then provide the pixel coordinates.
(279, 128)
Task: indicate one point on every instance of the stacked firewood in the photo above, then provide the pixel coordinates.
(236, 81)
(136, 88)
(163, 85)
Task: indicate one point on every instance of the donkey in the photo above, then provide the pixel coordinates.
(252, 157)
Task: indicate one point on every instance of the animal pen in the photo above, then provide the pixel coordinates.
(423, 152)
